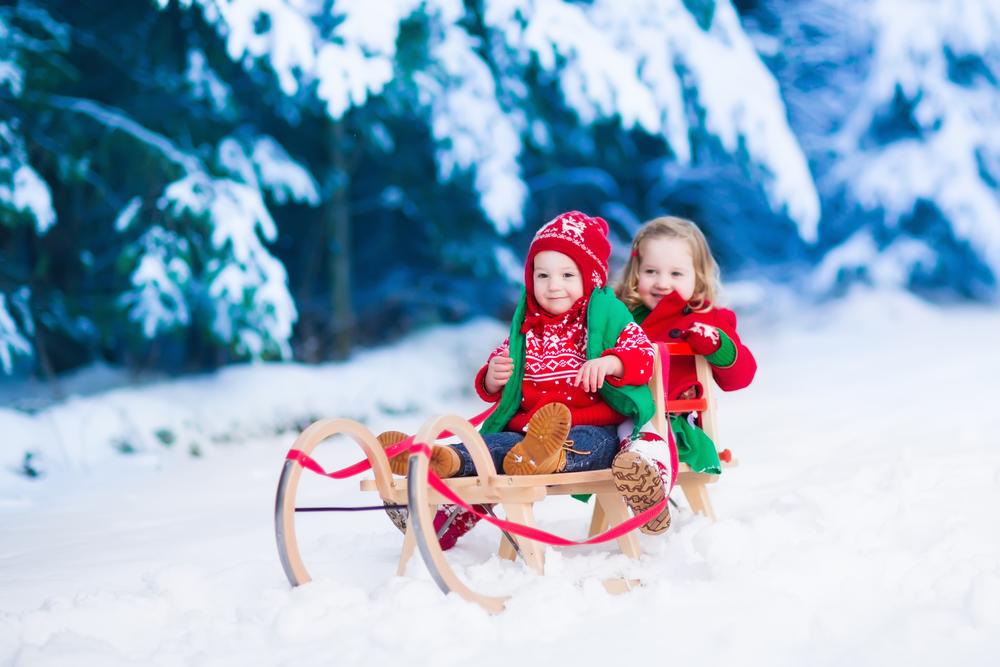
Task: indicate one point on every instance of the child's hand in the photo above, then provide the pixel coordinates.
(498, 372)
(703, 338)
(591, 375)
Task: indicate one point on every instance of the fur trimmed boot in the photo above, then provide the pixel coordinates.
(542, 450)
(644, 472)
(444, 460)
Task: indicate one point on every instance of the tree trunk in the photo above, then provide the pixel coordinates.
(311, 329)
(42, 354)
(338, 224)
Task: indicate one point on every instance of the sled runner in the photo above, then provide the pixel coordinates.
(422, 493)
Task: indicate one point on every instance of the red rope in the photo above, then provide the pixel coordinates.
(518, 529)
(308, 463)
(534, 533)
(435, 482)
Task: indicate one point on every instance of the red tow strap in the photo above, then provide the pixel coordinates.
(435, 482)
(534, 533)
(356, 469)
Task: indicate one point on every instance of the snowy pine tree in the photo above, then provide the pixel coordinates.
(168, 182)
(672, 70)
(923, 147)
(184, 182)
(482, 76)
(29, 41)
(897, 105)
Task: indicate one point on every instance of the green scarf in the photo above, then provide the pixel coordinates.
(694, 447)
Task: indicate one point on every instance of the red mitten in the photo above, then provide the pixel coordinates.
(703, 338)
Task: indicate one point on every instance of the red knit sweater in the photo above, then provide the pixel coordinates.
(553, 355)
(672, 315)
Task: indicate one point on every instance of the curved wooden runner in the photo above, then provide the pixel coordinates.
(422, 511)
(284, 502)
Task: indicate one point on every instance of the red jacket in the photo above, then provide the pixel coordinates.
(671, 317)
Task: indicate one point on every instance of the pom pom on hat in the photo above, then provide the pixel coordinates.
(581, 237)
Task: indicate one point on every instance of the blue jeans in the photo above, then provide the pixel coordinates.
(600, 443)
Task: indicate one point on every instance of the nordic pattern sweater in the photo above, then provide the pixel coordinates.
(554, 353)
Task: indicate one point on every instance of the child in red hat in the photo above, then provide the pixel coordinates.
(564, 303)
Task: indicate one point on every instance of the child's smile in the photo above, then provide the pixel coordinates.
(556, 282)
(667, 266)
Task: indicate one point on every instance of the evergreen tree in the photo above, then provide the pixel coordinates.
(161, 182)
(32, 50)
(190, 182)
(896, 104)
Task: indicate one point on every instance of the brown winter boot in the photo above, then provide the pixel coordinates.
(444, 460)
(640, 483)
(541, 452)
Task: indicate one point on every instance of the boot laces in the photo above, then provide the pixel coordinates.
(568, 446)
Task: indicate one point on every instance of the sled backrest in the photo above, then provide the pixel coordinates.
(704, 406)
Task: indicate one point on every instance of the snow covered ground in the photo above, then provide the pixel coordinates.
(858, 528)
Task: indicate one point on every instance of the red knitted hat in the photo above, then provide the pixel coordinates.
(583, 238)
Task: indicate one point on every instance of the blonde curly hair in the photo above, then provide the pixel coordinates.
(706, 270)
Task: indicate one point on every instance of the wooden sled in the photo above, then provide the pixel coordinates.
(516, 495)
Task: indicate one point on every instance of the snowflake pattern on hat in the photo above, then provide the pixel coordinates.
(573, 225)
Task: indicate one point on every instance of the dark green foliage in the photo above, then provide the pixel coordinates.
(123, 446)
(702, 10)
(29, 467)
(165, 436)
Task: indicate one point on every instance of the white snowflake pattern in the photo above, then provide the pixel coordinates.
(573, 226)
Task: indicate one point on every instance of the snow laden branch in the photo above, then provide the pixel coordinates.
(219, 224)
(23, 192)
(644, 63)
(114, 119)
(925, 129)
(13, 342)
(249, 305)
(263, 163)
(472, 130)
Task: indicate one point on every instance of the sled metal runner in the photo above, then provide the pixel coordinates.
(515, 494)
